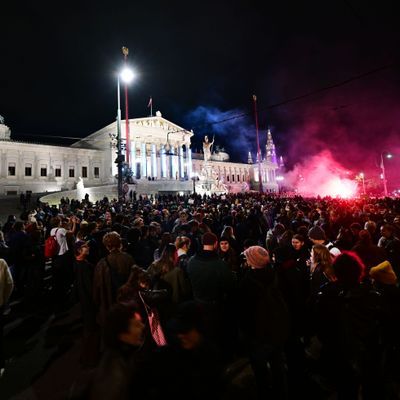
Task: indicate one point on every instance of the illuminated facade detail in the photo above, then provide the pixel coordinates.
(159, 149)
(143, 161)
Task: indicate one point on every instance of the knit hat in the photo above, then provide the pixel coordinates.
(257, 256)
(384, 273)
(316, 233)
(209, 239)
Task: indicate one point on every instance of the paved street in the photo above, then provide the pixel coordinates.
(42, 350)
(42, 347)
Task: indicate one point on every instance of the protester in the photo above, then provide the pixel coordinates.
(84, 273)
(6, 288)
(117, 375)
(110, 274)
(265, 323)
(324, 301)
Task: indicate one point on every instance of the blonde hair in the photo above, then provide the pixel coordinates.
(323, 258)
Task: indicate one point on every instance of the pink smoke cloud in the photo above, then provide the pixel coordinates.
(321, 175)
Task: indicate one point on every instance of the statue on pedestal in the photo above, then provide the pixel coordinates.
(207, 148)
(80, 189)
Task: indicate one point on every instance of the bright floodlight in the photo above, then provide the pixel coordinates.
(389, 156)
(127, 75)
(280, 178)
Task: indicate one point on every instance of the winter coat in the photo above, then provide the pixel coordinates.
(116, 377)
(110, 274)
(84, 273)
(264, 316)
(210, 277)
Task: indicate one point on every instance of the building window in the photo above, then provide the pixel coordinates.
(84, 172)
(28, 169)
(57, 171)
(71, 172)
(233, 178)
(96, 172)
(227, 178)
(11, 169)
(43, 170)
(238, 178)
(243, 178)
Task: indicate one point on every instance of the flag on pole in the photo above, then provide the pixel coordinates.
(150, 102)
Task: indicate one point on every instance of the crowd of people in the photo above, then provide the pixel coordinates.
(233, 296)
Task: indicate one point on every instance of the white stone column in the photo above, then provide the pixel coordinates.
(171, 167)
(189, 161)
(163, 161)
(143, 162)
(153, 161)
(133, 158)
(180, 163)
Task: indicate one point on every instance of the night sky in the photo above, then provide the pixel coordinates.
(202, 61)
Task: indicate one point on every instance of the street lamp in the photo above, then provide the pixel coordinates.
(388, 155)
(362, 176)
(194, 178)
(126, 76)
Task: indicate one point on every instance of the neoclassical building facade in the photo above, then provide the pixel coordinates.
(159, 151)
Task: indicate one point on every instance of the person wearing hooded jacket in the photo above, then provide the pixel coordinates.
(264, 323)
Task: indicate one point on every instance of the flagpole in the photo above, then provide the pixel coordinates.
(151, 107)
(258, 145)
(125, 52)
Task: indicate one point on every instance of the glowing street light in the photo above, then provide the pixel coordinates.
(388, 155)
(126, 76)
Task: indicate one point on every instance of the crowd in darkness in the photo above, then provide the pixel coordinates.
(229, 296)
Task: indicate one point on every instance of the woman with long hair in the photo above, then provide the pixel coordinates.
(166, 238)
(228, 254)
(182, 244)
(321, 268)
(166, 275)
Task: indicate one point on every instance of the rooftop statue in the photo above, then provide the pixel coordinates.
(207, 148)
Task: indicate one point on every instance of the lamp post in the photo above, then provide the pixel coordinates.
(127, 76)
(388, 155)
(258, 145)
(362, 176)
(194, 178)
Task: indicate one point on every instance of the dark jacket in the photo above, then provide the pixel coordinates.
(370, 254)
(264, 315)
(210, 277)
(84, 273)
(110, 274)
(348, 322)
(115, 376)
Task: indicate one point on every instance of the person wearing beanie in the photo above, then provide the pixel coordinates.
(264, 322)
(257, 257)
(210, 277)
(383, 273)
(317, 236)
